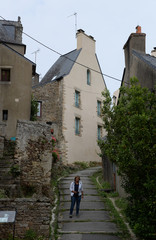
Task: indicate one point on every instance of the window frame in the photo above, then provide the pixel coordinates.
(39, 107)
(77, 125)
(77, 98)
(8, 69)
(99, 132)
(88, 77)
(4, 115)
(99, 108)
(5, 78)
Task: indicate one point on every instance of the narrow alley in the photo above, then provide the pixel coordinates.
(94, 221)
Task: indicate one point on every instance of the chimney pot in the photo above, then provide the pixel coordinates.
(138, 29)
(80, 31)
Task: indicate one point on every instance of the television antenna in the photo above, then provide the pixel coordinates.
(35, 53)
(75, 14)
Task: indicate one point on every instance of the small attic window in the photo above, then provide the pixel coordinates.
(10, 30)
(54, 78)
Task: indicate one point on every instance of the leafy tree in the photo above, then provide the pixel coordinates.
(34, 109)
(131, 145)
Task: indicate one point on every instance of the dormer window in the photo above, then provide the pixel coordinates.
(88, 77)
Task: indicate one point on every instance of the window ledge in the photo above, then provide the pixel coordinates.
(5, 83)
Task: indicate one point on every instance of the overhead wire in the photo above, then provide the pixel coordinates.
(51, 49)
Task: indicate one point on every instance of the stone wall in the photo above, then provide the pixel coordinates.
(2, 129)
(33, 156)
(2, 135)
(1, 146)
(31, 214)
(34, 153)
(51, 97)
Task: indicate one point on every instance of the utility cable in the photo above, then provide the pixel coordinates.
(51, 49)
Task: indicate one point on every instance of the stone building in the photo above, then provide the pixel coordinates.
(137, 62)
(16, 73)
(70, 94)
(143, 67)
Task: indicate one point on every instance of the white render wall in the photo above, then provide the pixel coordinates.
(83, 147)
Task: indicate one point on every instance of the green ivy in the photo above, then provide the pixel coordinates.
(34, 109)
(15, 171)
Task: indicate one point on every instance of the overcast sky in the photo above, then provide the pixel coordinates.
(110, 22)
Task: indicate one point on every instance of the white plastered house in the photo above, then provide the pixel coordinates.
(70, 94)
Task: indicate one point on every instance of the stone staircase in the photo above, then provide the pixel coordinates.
(94, 221)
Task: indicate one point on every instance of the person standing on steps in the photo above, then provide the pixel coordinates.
(76, 192)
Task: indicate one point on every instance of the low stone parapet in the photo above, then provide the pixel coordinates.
(31, 214)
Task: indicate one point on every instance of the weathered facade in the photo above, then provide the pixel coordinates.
(70, 94)
(137, 62)
(140, 65)
(15, 76)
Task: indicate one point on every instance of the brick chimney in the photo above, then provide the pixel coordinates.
(136, 41)
(85, 42)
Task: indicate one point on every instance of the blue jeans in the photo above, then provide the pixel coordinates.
(73, 200)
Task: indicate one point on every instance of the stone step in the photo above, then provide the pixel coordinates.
(6, 176)
(88, 227)
(86, 236)
(85, 206)
(88, 191)
(85, 186)
(88, 198)
(7, 180)
(85, 216)
(5, 170)
(6, 163)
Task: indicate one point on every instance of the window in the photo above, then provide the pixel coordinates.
(39, 107)
(99, 132)
(77, 98)
(77, 125)
(5, 115)
(98, 108)
(88, 77)
(10, 29)
(5, 74)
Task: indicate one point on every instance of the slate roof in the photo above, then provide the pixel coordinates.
(61, 67)
(148, 59)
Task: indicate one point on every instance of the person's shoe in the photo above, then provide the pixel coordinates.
(77, 215)
(70, 216)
